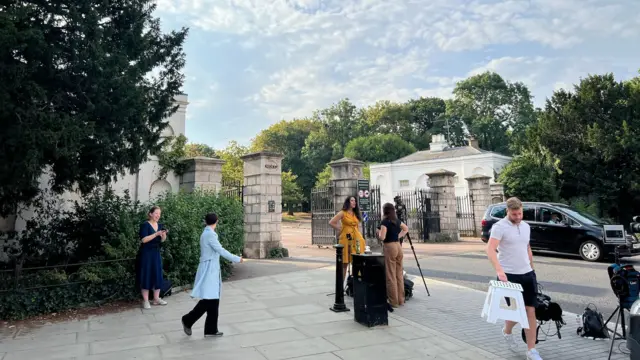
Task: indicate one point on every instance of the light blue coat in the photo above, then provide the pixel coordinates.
(208, 282)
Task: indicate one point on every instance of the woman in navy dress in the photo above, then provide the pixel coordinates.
(150, 275)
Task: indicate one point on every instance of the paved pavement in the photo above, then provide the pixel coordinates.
(570, 281)
(287, 316)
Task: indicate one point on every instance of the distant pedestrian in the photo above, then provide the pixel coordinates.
(208, 283)
(510, 254)
(391, 231)
(349, 233)
(149, 262)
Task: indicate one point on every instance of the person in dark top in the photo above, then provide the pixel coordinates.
(391, 230)
(150, 276)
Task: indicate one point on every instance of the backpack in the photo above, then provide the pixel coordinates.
(592, 324)
(408, 288)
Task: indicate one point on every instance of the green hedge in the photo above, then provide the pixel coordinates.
(102, 233)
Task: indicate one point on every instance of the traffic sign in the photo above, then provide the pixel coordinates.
(364, 192)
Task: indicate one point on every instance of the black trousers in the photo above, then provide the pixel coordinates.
(209, 306)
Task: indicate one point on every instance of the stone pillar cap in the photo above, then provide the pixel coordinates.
(204, 159)
(441, 172)
(478, 177)
(345, 160)
(261, 154)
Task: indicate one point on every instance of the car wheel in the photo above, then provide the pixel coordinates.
(590, 251)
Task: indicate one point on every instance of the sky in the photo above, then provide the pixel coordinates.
(252, 63)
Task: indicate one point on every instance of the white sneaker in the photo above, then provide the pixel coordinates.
(159, 302)
(533, 354)
(509, 339)
(146, 305)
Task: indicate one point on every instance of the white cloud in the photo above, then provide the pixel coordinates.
(307, 54)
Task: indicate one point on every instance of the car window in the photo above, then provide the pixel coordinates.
(551, 216)
(499, 211)
(529, 213)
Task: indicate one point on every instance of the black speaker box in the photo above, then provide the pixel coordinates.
(369, 290)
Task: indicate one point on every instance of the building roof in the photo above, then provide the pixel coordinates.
(447, 153)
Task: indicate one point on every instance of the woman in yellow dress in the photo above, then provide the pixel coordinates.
(347, 222)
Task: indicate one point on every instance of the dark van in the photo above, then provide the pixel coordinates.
(563, 229)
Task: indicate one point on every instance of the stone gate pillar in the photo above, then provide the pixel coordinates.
(442, 182)
(480, 193)
(262, 203)
(497, 193)
(344, 177)
(202, 172)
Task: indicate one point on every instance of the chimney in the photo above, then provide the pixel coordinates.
(473, 142)
(438, 143)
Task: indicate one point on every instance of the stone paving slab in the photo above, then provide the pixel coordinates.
(287, 316)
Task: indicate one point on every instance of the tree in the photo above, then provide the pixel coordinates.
(77, 99)
(531, 177)
(378, 148)
(592, 132)
(494, 111)
(323, 179)
(291, 192)
(233, 168)
(195, 150)
(288, 138)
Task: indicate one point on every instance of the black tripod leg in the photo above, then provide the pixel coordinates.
(613, 338)
(418, 263)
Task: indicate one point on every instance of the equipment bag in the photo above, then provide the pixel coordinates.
(349, 290)
(408, 288)
(592, 325)
(166, 288)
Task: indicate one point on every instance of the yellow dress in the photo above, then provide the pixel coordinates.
(350, 226)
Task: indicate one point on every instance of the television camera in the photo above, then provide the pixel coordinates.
(634, 227)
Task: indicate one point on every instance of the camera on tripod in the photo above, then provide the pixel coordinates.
(400, 208)
(634, 227)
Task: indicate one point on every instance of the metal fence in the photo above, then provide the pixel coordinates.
(465, 216)
(233, 189)
(421, 213)
(42, 277)
(322, 211)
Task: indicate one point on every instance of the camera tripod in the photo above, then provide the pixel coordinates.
(619, 320)
(418, 263)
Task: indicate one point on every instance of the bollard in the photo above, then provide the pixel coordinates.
(339, 305)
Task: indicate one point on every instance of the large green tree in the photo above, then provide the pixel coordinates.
(593, 132)
(288, 138)
(77, 97)
(495, 112)
(233, 167)
(378, 148)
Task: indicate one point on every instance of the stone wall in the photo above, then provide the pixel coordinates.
(442, 182)
(262, 203)
(497, 193)
(202, 172)
(480, 193)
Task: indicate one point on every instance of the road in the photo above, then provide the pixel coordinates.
(570, 281)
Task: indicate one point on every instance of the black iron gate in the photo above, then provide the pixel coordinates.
(322, 211)
(233, 189)
(421, 213)
(465, 215)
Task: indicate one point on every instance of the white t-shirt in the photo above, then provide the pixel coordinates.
(513, 252)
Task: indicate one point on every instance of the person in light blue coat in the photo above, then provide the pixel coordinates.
(208, 283)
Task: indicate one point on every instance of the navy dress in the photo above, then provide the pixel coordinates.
(150, 273)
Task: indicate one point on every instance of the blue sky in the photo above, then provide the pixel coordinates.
(251, 63)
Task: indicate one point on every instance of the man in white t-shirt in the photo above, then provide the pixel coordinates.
(510, 254)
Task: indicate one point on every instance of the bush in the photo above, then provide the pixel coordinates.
(90, 249)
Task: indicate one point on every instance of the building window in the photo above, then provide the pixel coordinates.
(404, 183)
